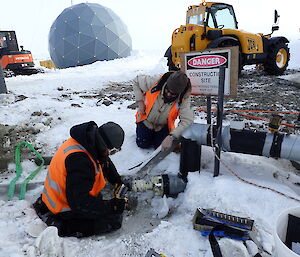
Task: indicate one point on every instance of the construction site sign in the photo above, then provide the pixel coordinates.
(203, 70)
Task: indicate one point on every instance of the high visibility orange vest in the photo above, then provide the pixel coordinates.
(54, 193)
(150, 99)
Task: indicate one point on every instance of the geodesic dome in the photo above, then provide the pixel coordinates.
(85, 33)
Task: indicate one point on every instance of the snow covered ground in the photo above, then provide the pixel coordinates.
(52, 102)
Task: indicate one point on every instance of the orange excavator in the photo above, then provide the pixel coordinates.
(13, 60)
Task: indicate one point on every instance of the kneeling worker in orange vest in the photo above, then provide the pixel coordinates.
(160, 101)
(71, 199)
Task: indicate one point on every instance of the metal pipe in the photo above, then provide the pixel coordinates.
(277, 145)
(166, 184)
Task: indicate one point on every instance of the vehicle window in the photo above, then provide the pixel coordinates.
(195, 19)
(210, 21)
(2, 41)
(221, 16)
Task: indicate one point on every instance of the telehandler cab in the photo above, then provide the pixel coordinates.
(214, 25)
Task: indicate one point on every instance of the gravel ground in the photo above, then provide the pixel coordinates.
(261, 92)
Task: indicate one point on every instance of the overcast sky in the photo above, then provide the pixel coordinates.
(150, 23)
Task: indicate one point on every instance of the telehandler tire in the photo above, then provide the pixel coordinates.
(277, 59)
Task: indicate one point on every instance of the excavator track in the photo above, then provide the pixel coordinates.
(8, 73)
(29, 71)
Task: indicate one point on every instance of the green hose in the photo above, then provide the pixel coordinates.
(12, 184)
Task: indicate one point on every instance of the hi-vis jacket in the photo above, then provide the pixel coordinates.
(54, 194)
(158, 113)
(150, 99)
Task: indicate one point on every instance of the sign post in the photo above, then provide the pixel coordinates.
(3, 89)
(208, 110)
(213, 72)
(220, 109)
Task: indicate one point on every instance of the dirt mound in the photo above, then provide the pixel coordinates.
(10, 137)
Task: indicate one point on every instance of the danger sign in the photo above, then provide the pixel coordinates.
(207, 61)
(203, 70)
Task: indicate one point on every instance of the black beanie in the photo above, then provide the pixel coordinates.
(112, 134)
(177, 82)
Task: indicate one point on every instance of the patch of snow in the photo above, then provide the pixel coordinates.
(163, 224)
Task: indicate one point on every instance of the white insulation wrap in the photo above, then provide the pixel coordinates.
(267, 144)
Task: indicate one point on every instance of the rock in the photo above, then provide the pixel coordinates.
(39, 113)
(76, 105)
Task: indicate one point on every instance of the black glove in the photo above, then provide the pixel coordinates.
(117, 205)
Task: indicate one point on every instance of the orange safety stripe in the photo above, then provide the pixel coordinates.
(239, 112)
(173, 116)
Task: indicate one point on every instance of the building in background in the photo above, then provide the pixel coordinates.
(86, 33)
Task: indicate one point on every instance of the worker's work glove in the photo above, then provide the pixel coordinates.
(117, 205)
(167, 143)
(141, 107)
(120, 191)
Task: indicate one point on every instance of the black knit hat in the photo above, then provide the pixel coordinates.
(112, 134)
(177, 82)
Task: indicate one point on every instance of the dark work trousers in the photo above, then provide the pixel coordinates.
(74, 224)
(146, 138)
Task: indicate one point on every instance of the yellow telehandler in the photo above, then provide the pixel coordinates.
(214, 25)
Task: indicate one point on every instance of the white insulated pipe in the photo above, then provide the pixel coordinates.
(279, 145)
